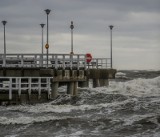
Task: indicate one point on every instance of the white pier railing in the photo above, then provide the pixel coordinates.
(26, 84)
(57, 61)
(38, 60)
(100, 63)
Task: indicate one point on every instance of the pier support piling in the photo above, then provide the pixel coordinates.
(54, 92)
(75, 91)
(96, 83)
(70, 88)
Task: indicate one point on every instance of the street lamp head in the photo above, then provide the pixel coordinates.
(72, 26)
(47, 11)
(42, 25)
(111, 27)
(4, 22)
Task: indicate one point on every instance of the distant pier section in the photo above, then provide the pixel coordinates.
(35, 78)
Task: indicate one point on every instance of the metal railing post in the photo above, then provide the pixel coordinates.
(39, 88)
(19, 86)
(77, 62)
(22, 61)
(71, 61)
(56, 62)
(29, 86)
(48, 87)
(64, 62)
(10, 88)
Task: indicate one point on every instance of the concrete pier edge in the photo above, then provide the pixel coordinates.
(72, 78)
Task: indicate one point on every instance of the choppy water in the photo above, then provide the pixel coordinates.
(129, 107)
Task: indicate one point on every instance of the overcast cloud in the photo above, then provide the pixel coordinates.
(136, 32)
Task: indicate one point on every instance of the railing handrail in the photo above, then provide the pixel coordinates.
(30, 84)
(56, 61)
(1, 54)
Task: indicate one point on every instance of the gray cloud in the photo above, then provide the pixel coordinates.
(136, 32)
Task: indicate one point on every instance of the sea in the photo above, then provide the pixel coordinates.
(128, 107)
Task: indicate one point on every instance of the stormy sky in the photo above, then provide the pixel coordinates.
(136, 32)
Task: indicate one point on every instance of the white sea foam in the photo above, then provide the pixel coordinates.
(45, 108)
(77, 133)
(140, 87)
(134, 118)
(28, 120)
(120, 75)
(152, 133)
(48, 107)
(11, 136)
(136, 87)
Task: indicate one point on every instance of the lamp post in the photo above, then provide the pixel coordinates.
(111, 27)
(4, 23)
(47, 45)
(72, 27)
(42, 26)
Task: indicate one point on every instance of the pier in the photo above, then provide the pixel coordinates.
(35, 78)
(29, 78)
